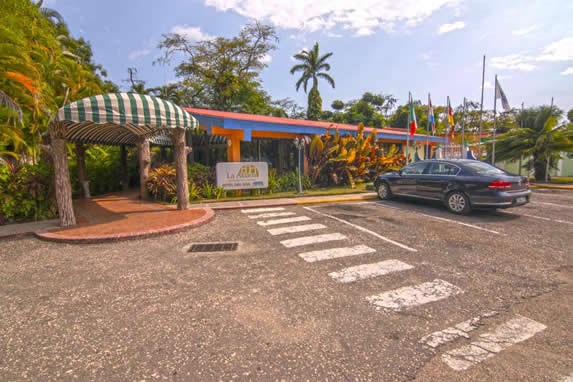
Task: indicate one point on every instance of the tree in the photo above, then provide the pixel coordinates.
(337, 105)
(222, 73)
(542, 138)
(313, 66)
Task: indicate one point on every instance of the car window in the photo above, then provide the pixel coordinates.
(482, 168)
(414, 169)
(443, 169)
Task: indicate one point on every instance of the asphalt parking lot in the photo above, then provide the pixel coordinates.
(384, 291)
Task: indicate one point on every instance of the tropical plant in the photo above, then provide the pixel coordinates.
(209, 191)
(162, 183)
(313, 66)
(194, 191)
(542, 138)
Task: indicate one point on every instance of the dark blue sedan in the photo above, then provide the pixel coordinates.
(461, 184)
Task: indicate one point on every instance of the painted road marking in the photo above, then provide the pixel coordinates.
(334, 253)
(510, 333)
(271, 215)
(537, 217)
(363, 230)
(410, 296)
(452, 333)
(307, 240)
(365, 271)
(552, 204)
(284, 221)
(295, 229)
(258, 210)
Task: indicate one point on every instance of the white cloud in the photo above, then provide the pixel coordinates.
(191, 33)
(560, 50)
(487, 85)
(514, 61)
(568, 71)
(138, 54)
(267, 58)
(361, 17)
(446, 28)
(524, 31)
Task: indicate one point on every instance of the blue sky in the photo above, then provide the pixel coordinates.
(379, 45)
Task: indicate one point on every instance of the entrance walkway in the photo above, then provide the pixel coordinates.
(123, 216)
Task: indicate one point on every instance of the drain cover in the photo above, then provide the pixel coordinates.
(213, 247)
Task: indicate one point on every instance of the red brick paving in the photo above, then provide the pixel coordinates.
(123, 216)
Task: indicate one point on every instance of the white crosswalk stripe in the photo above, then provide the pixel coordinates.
(259, 210)
(295, 229)
(366, 271)
(334, 253)
(505, 335)
(307, 240)
(411, 296)
(295, 219)
(271, 215)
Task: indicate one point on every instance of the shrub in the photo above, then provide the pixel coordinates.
(194, 191)
(209, 191)
(162, 183)
(289, 182)
(26, 192)
(201, 174)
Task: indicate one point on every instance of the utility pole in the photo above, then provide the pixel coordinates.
(481, 108)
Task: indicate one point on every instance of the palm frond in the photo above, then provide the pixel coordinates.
(327, 77)
(9, 103)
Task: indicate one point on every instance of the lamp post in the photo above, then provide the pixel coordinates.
(299, 143)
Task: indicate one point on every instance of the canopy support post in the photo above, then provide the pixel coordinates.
(123, 163)
(82, 171)
(179, 147)
(62, 176)
(144, 156)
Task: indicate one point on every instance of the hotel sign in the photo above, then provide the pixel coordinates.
(242, 175)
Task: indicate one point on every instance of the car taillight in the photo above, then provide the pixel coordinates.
(499, 185)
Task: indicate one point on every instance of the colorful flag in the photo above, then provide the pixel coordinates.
(451, 118)
(412, 124)
(431, 119)
(501, 95)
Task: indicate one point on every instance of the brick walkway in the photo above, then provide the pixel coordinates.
(124, 216)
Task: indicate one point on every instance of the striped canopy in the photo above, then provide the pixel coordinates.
(122, 118)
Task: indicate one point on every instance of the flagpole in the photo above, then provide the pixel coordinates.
(494, 122)
(481, 108)
(463, 128)
(408, 128)
(428, 131)
(447, 128)
(521, 125)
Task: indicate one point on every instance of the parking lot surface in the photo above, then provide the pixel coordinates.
(385, 291)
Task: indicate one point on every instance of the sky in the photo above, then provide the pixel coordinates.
(388, 46)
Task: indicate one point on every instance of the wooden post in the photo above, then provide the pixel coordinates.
(62, 176)
(144, 157)
(123, 168)
(180, 149)
(82, 171)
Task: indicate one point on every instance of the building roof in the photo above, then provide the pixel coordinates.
(232, 120)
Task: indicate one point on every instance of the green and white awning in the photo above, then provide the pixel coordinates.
(122, 118)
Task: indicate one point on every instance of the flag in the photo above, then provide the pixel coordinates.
(412, 124)
(501, 95)
(431, 119)
(451, 118)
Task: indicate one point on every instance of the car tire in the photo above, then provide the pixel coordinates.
(383, 191)
(458, 203)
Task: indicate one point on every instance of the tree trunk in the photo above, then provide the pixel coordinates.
(82, 171)
(62, 177)
(144, 157)
(178, 137)
(123, 163)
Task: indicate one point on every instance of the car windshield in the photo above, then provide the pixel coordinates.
(482, 168)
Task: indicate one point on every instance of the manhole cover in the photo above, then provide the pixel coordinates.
(213, 247)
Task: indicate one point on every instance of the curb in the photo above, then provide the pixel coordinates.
(337, 200)
(16, 235)
(552, 187)
(94, 239)
(294, 202)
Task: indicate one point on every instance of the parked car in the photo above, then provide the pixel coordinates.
(461, 184)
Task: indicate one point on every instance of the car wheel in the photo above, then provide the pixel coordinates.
(383, 191)
(458, 203)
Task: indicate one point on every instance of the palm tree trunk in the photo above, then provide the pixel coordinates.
(82, 171)
(144, 156)
(178, 138)
(62, 176)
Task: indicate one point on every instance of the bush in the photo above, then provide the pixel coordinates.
(26, 192)
(201, 174)
(289, 182)
(162, 183)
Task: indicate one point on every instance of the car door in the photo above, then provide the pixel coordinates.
(406, 183)
(436, 178)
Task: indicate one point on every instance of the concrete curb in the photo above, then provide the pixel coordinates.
(297, 201)
(95, 239)
(553, 186)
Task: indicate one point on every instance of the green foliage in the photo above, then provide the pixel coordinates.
(370, 110)
(273, 181)
(314, 104)
(200, 174)
(194, 192)
(162, 183)
(209, 191)
(26, 192)
(289, 182)
(337, 160)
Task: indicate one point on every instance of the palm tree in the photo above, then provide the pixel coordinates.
(541, 138)
(313, 66)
